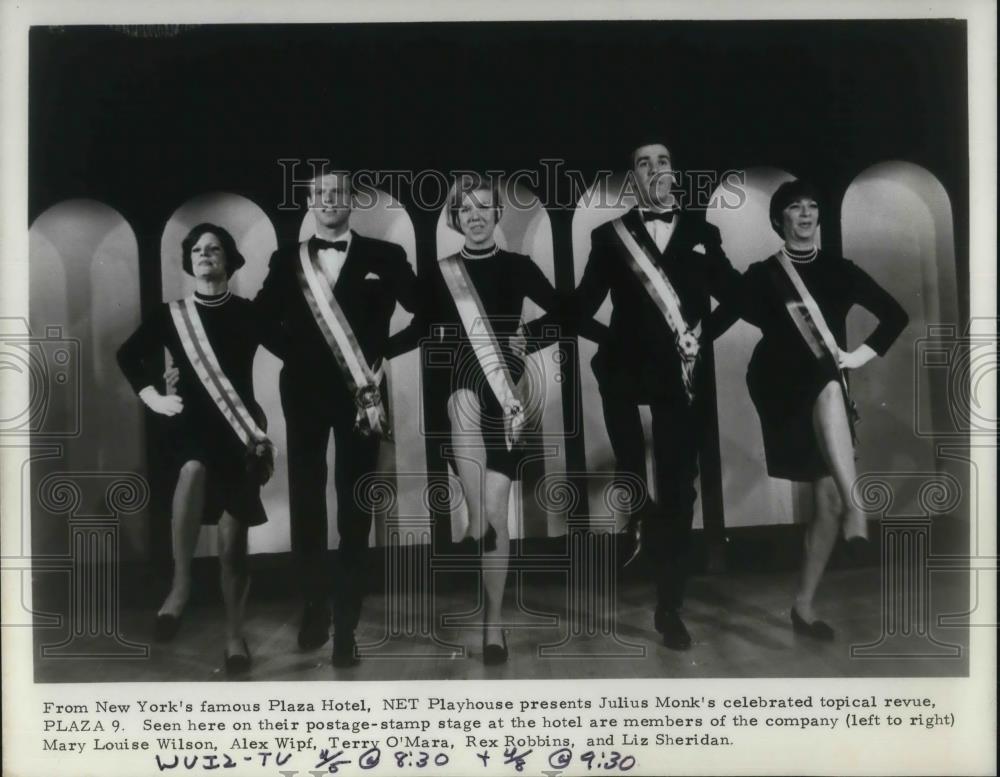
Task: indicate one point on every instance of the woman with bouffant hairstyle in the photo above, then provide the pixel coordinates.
(216, 431)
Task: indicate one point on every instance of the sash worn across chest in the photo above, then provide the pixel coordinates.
(686, 339)
(200, 353)
(371, 417)
(808, 320)
(484, 344)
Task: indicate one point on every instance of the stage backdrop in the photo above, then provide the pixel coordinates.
(896, 221)
(84, 288)
(524, 228)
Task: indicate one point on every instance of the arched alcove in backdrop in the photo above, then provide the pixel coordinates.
(84, 283)
(897, 224)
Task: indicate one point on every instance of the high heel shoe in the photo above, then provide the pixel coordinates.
(166, 626)
(238, 664)
(817, 630)
(495, 654)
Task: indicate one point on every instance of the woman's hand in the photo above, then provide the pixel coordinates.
(519, 342)
(164, 405)
(857, 358)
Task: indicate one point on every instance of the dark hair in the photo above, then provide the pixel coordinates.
(234, 259)
(789, 192)
(471, 182)
(649, 142)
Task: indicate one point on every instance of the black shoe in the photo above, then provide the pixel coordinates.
(817, 630)
(166, 627)
(495, 654)
(238, 664)
(467, 546)
(344, 651)
(314, 630)
(631, 539)
(670, 625)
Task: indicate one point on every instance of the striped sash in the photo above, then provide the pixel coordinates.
(206, 365)
(808, 319)
(484, 345)
(336, 329)
(658, 286)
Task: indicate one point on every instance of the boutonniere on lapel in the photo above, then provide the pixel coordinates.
(699, 248)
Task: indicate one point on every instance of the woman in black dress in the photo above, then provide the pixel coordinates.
(805, 413)
(219, 475)
(486, 456)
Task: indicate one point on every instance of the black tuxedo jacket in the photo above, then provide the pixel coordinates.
(375, 276)
(637, 357)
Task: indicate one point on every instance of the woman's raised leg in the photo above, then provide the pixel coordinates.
(833, 432)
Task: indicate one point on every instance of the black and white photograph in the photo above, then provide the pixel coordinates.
(644, 364)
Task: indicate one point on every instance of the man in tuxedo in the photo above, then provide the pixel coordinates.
(368, 278)
(660, 266)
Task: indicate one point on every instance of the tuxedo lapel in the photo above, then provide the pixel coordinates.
(352, 265)
(633, 221)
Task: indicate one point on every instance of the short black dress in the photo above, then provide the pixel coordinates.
(200, 432)
(503, 281)
(784, 377)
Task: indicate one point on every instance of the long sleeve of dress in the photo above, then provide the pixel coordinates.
(137, 356)
(892, 319)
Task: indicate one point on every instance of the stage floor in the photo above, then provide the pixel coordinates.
(739, 624)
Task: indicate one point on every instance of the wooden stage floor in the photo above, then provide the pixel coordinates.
(739, 623)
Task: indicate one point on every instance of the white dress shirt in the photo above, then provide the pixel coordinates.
(660, 231)
(332, 260)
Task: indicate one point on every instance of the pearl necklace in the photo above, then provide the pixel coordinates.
(466, 254)
(214, 302)
(802, 258)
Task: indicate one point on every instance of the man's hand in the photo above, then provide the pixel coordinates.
(856, 358)
(170, 377)
(163, 404)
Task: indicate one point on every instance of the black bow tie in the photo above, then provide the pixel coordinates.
(666, 216)
(336, 245)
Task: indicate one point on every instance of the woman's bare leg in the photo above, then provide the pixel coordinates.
(470, 455)
(821, 536)
(834, 435)
(235, 579)
(495, 562)
(185, 525)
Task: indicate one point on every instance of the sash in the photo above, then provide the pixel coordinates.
(206, 365)
(333, 324)
(808, 319)
(658, 286)
(484, 344)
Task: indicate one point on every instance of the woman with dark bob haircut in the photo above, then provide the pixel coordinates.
(800, 298)
(215, 428)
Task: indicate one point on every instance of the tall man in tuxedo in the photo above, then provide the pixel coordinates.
(333, 295)
(660, 266)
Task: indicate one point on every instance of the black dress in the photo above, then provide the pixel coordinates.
(200, 432)
(784, 377)
(503, 281)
